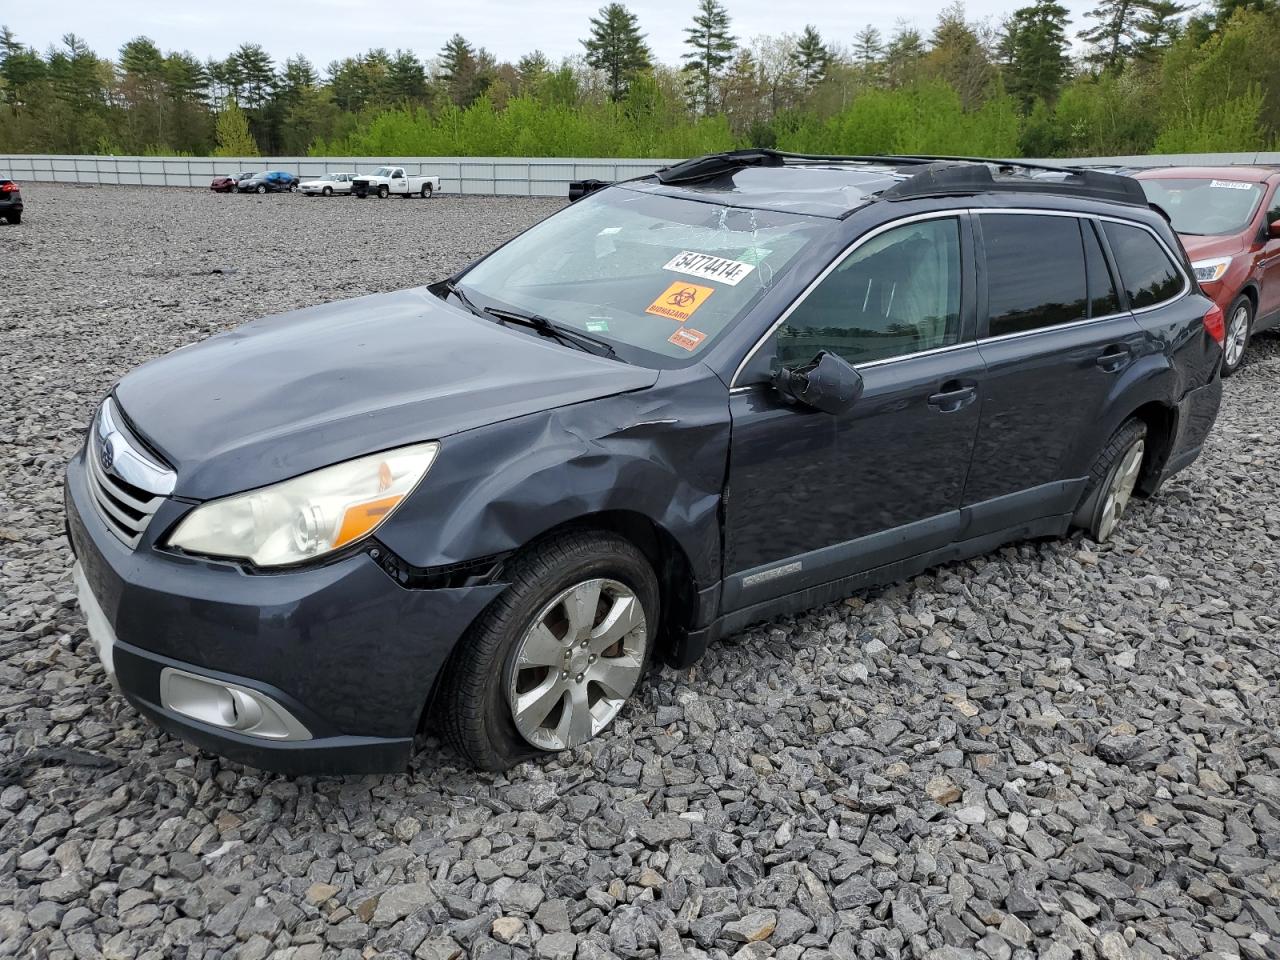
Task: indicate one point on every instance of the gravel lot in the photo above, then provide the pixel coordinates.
(1059, 750)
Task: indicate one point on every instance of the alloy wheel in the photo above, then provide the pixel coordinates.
(1237, 334)
(1120, 490)
(577, 664)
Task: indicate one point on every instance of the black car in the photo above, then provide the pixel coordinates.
(272, 181)
(10, 201)
(743, 386)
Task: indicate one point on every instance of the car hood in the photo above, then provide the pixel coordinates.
(278, 397)
(1202, 248)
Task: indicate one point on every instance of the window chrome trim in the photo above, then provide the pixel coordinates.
(734, 387)
(844, 255)
(1133, 311)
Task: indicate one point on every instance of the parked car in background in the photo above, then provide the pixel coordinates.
(386, 181)
(1229, 222)
(742, 386)
(273, 181)
(328, 184)
(10, 200)
(225, 183)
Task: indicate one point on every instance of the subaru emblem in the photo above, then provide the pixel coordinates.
(107, 454)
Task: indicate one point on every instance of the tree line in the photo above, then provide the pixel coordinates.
(1154, 76)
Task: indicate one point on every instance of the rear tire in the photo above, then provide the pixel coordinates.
(426, 191)
(500, 662)
(14, 218)
(1239, 327)
(1112, 481)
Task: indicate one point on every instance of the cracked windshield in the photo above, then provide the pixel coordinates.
(657, 277)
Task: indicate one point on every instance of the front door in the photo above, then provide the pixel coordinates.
(814, 497)
(1269, 263)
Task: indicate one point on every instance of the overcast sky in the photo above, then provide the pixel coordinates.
(326, 30)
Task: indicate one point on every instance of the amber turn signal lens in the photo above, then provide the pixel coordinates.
(363, 517)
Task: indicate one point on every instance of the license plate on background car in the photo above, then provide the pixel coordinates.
(100, 631)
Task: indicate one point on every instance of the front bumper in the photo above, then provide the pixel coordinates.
(344, 648)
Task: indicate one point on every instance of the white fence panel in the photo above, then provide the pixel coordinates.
(488, 176)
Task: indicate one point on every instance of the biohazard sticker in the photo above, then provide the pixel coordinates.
(688, 338)
(680, 301)
(707, 267)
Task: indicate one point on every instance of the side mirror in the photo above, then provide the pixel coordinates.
(1273, 230)
(827, 383)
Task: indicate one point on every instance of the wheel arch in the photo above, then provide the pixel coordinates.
(1161, 420)
(671, 565)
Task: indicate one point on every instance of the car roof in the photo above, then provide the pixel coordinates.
(835, 187)
(1242, 174)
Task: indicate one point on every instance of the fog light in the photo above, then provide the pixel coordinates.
(228, 705)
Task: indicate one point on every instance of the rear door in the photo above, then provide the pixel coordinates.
(1055, 338)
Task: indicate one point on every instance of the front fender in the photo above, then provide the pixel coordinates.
(660, 453)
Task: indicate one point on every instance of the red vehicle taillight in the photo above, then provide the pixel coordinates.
(1215, 324)
(9, 187)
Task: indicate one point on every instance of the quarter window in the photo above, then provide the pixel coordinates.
(896, 294)
(1148, 275)
(1103, 299)
(1035, 272)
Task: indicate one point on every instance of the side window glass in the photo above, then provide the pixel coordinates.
(1103, 299)
(896, 294)
(1148, 275)
(1035, 272)
(1273, 214)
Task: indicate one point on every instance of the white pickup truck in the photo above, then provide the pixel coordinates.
(388, 180)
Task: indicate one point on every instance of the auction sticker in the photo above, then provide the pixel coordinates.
(707, 267)
(679, 301)
(1230, 185)
(688, 338)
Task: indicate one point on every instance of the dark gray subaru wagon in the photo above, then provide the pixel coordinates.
(751, 383)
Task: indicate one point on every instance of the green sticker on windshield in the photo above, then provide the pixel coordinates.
(597, 326)
(754, 255)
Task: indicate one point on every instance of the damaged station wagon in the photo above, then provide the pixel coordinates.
(745, 385)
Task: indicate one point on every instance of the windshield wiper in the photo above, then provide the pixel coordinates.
(549, 328)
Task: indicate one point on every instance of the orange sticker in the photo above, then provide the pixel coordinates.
(688, 338)
(679, 301)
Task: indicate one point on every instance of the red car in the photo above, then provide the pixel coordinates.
(224, 184)
(1229, 221)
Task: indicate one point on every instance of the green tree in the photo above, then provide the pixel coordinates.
(903, 56)
(20, 69)
(234, 139)
(959, 56)
(811, 57)
(254, 75)
(616, 46)
(531, 70)
(710, 50)
(1034, 50)
(1158, 26)
(868, 53)
(407, 78)
(462, 71)
(1113, 36)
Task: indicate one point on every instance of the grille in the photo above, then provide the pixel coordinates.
(124, 505)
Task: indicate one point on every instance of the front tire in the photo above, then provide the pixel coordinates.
(552, 661)
(1112, 481)
(262, 188)
(1239, 329)
(383, 192)
(327, 191)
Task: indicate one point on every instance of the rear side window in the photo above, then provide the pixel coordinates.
(1103, 299)
(1148, 275)
(1035, 272)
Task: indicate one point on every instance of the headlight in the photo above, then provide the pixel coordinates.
(1207, 271)
(307, 516)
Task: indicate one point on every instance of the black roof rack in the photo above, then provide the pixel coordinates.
(714, 164)
(960, 177)
(937, 176)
